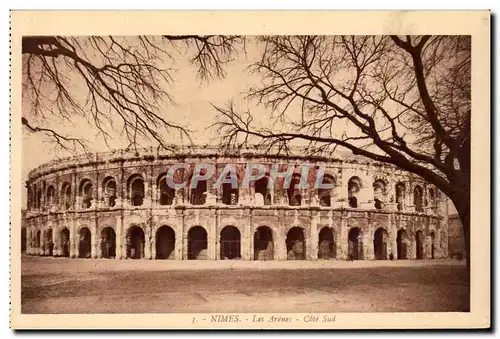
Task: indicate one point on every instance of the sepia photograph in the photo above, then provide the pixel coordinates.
(257, 179)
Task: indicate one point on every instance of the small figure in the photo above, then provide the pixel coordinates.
(391, 256)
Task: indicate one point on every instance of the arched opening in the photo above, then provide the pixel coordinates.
(65, 242)
(400, 196)
(109, 186)
(165, 243)
(417, 198)
(108, 243)
(135, 242)
(197, 243)
(51, 192)
(433, 245)
(355, 244)
(66, 195)
(166, 193)
(230, 243)
(354, 186)
(136, 190)
(402, 244)
(295, 244)
(263, 246)
(325, 194)
(379, 194)
(39, 198)
(49, 245)
(198, 194)
(326, 246)
(419, 238)
(380, 244)
(263, 192)
(86, 192)
(84, 243)
(230, 194)
(432, 198)
(294, 191)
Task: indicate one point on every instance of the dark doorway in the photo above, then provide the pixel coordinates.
(262, 191)
(23, 240)
(230, 243)
(433, 245)
(65, 242)
(49, 244)
(380, 241)
(355, 244)
(419, 238)
(295, 244)
(263, 244)
(401, 241)
(135, 243)
(326, 246)
(197, 243)
(84, 244)
(165, 243)
(108, 243)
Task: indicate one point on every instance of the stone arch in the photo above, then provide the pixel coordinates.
(354, 186)
(108, 243)
(380, 244)
(51, 196)
(400, 196)
(379, 192)
(66, 195)
(327, 248)
(84, 243)
(109, 190)
(197, 243)
(166, 194)
(355, 244)
(86, 192)
(230, 243)
(165, 242)
(402, 244)
(65, 242)
(135, 242)
(325, 194)
(263, 243)
(294, 192)
(419, 240)
(417, 198)
(263, 191)
(136, 189)
(296, 244)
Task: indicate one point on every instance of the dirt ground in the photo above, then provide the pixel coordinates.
(55, 285)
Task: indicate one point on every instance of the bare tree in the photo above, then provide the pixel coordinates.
(111, 81)
(403, 101)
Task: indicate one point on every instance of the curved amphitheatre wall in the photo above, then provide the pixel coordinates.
(117, 205)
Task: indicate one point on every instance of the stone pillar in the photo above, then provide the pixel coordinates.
(55, 242)
(247, 238)
(119, 238)
(313, 239)
(279, 242)
(147, 240)
(212, 236)
(94, 242)
(180, 240)
(368, 242)
(394, 236)
(73, 240)
(413, 246)
(342, 246)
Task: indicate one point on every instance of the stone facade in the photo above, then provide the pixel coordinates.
(116, 205)
(456, 243)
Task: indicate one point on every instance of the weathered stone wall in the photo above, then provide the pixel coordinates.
(48, 214)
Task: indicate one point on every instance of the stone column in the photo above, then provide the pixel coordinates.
(55, 242)
(247, 238)
(212, 236)
(394, 236)
(368, 241)
(180, 240)
(73, 240)
(279, 242)
(147, 240)
(313, 239)
(119, 238)
(94, 242)
(342, 247)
